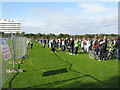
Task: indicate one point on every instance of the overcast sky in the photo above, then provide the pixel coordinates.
(63, 17)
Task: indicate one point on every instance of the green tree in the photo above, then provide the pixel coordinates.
(60, 35)
(39, 35)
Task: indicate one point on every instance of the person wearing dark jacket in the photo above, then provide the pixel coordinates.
(31, 44)
(68, 46)
(71, 46)
(53, 45)
(117, 46)
(105, 42)
(102, 49)
(44, 43)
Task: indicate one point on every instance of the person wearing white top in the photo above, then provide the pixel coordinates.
(82, 45)
(63, 42)
(63, 45)
(50, 43)
(88, 43)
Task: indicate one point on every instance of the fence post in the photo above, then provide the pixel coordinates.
(14, 50)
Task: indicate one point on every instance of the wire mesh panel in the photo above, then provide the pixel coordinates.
(0, 62)
(17, 48)
(7, 58)
(20, 46)
(12, 48)
(23, 46)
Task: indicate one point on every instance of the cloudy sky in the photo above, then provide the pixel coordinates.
(63, 17)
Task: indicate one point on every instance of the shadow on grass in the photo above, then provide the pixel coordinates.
(111, 83)
(82, 52)
(54, 83)
(53, 72)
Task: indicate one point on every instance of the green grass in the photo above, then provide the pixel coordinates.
(82, 71)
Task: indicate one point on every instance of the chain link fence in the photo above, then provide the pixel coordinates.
(12, 50)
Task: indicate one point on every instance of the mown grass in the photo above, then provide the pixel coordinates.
(82, 72)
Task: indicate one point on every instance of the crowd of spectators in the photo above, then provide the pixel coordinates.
(95, 44)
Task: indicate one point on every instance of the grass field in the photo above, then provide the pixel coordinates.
(44, 69)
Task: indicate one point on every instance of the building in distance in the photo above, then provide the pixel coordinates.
(10, 26)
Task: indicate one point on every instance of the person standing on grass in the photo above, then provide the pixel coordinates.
(31, 44)
(82, 45)
(66, 43)
(85, 44)
(88, 44)
(44, 43)
(102, 50)
(95, 45)
(114, 41)
(41, 41)
(71, 46)
(76, 45)
(58, 43)
(53, 45)
(28, 42)
(68, 46)
(53, 49)
(63, 44)
(117, 46)
(91, 44)
(105, 41)
(48, 42)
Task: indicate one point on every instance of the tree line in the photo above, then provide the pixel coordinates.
(61, 35)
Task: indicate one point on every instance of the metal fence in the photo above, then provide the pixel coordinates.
(0, 61)
(12, 49)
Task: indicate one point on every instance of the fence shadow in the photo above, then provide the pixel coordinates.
(54, 83)
(110, 83)
(53, 72)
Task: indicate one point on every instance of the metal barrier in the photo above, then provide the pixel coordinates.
(12, 49)
(0, 61)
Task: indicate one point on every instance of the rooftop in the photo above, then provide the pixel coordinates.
(8, 21)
